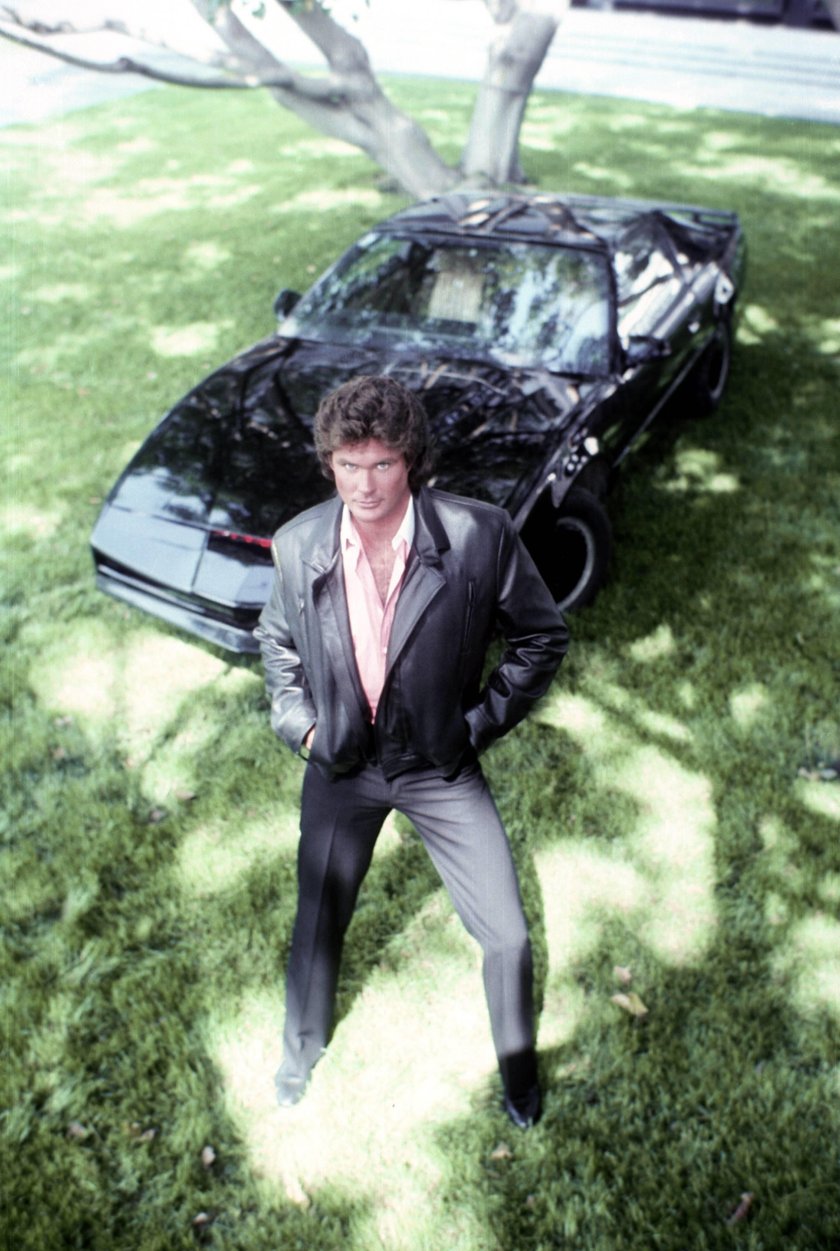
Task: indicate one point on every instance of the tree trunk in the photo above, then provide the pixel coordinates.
(347, 101)
(491, 153)
(351, 106)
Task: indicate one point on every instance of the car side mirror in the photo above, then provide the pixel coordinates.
(285, 302)
(641, 349)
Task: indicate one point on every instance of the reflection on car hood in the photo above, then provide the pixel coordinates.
(236, 454)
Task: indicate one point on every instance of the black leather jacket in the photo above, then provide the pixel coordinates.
(468, 573)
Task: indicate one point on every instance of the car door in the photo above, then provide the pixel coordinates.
(656, 314)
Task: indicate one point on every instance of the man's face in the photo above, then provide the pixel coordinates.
(372, 480)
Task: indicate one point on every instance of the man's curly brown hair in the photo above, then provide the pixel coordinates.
(374, 407)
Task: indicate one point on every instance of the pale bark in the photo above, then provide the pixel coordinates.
(491, 153)
(345, 102)
(351, 105)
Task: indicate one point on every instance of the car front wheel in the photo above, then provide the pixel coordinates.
(572, 548)
(708, 381)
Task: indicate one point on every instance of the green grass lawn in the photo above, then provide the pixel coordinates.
(670, 807)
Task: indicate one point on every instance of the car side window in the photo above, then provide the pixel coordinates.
(647, 276)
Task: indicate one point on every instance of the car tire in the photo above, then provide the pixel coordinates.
(572, 548)
(708, 380)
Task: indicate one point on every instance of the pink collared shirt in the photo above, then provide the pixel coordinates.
(370, 619)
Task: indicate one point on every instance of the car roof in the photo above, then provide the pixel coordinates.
(570, 220)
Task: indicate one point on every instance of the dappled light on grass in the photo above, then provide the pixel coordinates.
(413, 1054)
(192, 340)
(779, 174)
(655, 646)
(780, 848)
(322, 200)
(674, 840)
(821, 798)
(71, 172)
(629, 709)
(824, 333)
(748, 703)
(606, 179)
(139, 145)
(582, 887)
(214, 856)
(756, 323)
(65, 348)
(697, 687)
(60, 293)
(308, 148)
(824, 579)
(150, 196)
(33, 523)
(188, 736)
(697, 469)
(828, 891)
(66, 164)
(207, 256)
(811, 959)
(123, 691)
(544, 128)
(665, 856)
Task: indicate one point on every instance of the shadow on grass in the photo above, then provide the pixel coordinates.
(655, 1131)
(651, 1130)
(653, 804)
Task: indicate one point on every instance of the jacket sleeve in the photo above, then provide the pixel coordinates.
(292, 707)
(536, 640)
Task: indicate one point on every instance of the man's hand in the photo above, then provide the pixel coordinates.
(310, 735)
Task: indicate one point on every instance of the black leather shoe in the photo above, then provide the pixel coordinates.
(290, 1089)
(524, 1111)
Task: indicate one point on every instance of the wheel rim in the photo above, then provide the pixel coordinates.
(575, 564)
(717, 365)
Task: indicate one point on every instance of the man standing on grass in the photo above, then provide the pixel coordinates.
(384, 603)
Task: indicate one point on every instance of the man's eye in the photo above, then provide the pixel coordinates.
(385, 464)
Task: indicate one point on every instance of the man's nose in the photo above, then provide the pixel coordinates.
(366, 482)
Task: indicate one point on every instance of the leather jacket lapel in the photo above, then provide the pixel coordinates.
(424, 576)
(422, 583)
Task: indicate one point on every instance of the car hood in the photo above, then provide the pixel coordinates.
(236, 454)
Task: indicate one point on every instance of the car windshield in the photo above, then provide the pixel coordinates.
(518, 304)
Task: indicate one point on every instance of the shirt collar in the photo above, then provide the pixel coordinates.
(405, 534)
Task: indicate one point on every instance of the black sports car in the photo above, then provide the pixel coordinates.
(544, 334)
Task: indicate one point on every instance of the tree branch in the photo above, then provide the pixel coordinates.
(122, 65)
(343, 52)
(105, 24)
(237, 75)
(356, 109)
(346, 101)
(501, 11)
